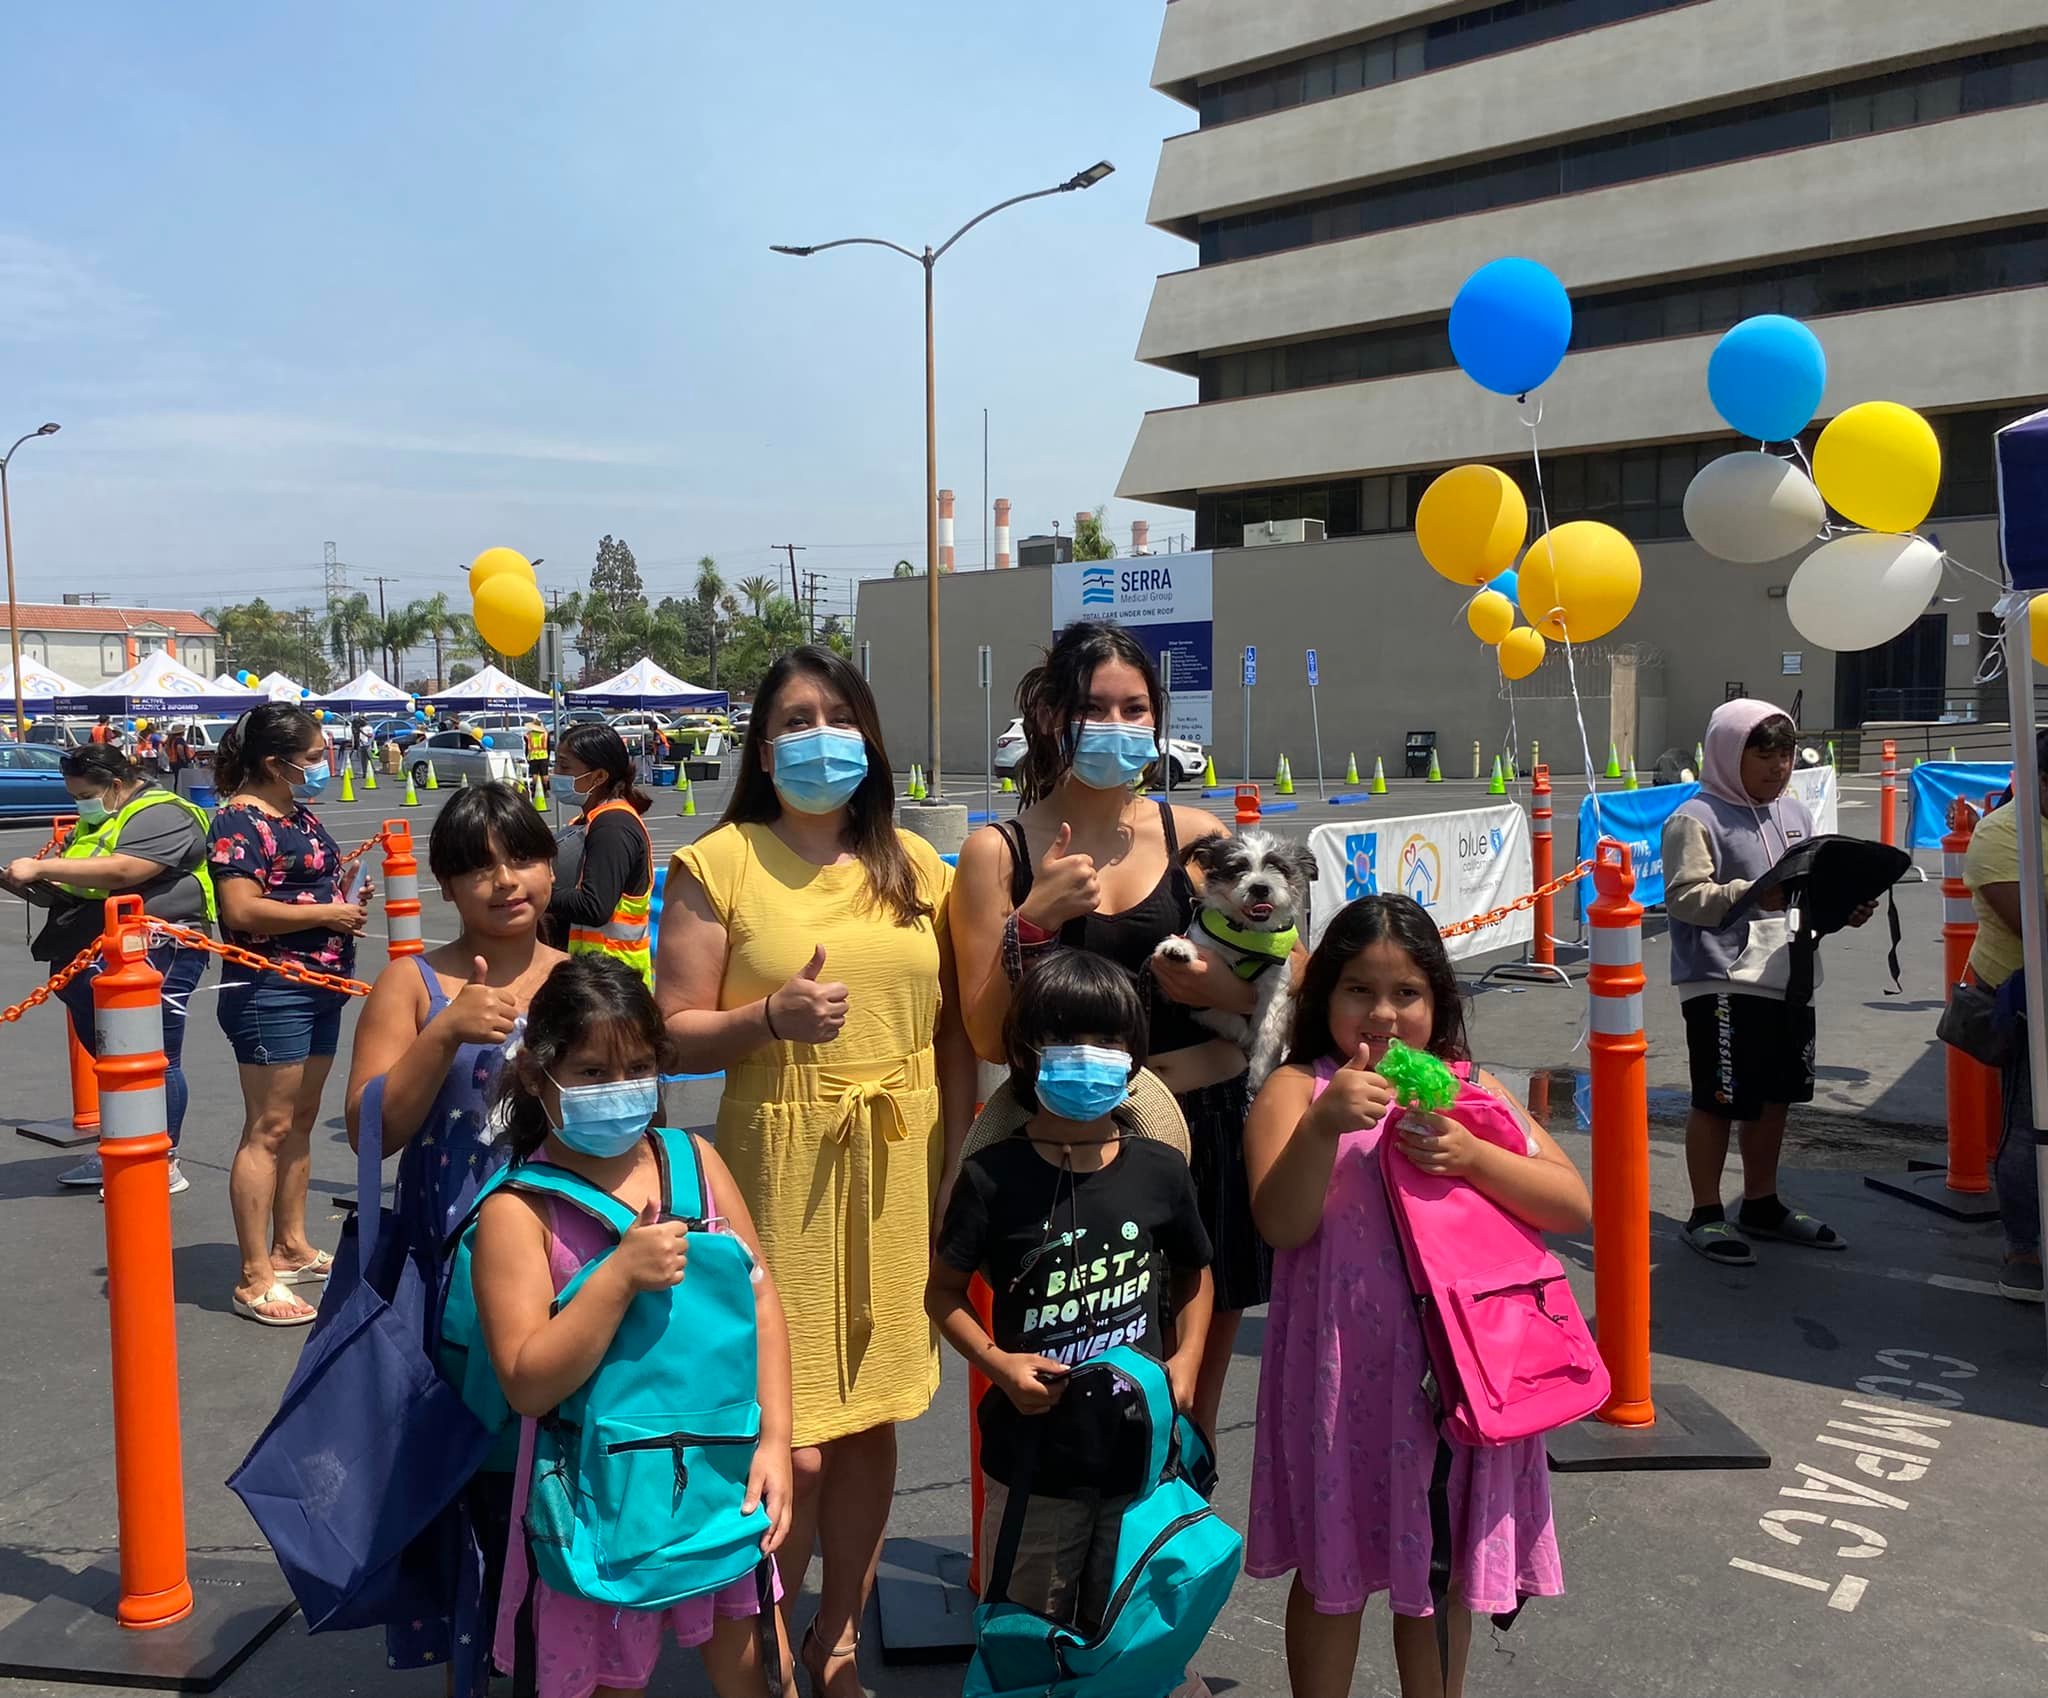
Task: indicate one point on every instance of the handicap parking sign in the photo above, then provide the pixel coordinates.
(1311, 669)
(1251, 666)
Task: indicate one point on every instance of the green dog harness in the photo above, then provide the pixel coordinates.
(1251, 953)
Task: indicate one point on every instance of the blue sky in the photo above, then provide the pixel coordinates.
(425, 278)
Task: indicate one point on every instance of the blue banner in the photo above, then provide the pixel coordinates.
(1637, 818)
(1938, 783)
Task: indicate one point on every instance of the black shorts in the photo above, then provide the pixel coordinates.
(1747, 1052)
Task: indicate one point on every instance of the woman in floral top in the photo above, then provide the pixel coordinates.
(283, 892)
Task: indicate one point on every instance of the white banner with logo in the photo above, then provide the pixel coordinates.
(1167, 603)
(1456, 865)
(1819, 789)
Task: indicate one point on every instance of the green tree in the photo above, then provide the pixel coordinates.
(757, 591)
(904, 569)
(260, 638)
(437, 625)
(615, 589)
(710, 586)
(349, 623)
(1089, 541)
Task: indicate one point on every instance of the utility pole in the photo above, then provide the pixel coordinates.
(792, 549)
(390, 660)
(811, 582)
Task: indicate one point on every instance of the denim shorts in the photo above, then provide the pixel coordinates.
(273, 1022)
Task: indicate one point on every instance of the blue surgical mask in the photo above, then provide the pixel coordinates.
(1082, 1082)
(606, 1120)
(817, 770)
(91, 811)
(1109, 756)
(565, 787)
(311, 780)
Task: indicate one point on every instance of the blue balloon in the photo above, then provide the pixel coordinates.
(1509, 583)
(1765, 377)
(1510, 325)
(487, 741)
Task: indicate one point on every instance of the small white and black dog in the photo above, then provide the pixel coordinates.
(1254, 899)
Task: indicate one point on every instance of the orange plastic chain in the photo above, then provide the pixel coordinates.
(189, 939)
(1479, 922)
(56, 982)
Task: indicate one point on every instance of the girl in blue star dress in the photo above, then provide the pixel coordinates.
(432, 1036)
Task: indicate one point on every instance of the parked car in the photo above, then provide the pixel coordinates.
(62, 733)
(460, 753)
(403, 732)
(642, 730)
(741, 717)
(32, 783)
(507, 729)
(1190, 759)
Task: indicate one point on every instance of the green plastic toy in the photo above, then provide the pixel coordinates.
(1419, 1079)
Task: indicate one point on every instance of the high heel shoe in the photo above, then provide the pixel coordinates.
(810, 1643)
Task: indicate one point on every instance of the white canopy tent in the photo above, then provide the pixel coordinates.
(157, 684)
(281, 688)
(366, 692)
(487, 689)
(38, 683)
(644, 684)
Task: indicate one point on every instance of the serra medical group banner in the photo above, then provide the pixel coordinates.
(1637, 817)
(1456, 865)
(1166, 602)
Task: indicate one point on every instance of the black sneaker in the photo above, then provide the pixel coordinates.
(2020, 1280)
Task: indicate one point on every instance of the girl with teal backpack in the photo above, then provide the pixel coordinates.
(619, 1294)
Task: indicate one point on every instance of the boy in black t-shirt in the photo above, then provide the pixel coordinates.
(1088, 1239)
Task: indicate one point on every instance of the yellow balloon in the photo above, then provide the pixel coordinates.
(509, 613)
(492, 561)
(1470, 523)
(1521, 651)
(1879, 465)
(1491, 616)
(2037, 629)
(1580, 580)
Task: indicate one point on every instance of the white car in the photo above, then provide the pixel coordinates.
(1190, 761)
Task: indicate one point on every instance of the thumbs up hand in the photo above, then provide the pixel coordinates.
(1355, 1098)
(477, 1014)
(1065, 887)
(809, 1009)
(654, 1252)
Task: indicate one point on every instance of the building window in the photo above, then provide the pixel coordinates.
(1639, 491)
(35, 647)
(1853, 282)
(195, 656)
(1409, 52)
(1984, 82)
(113, 657)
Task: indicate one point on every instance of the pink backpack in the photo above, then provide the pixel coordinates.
(1511, 1354)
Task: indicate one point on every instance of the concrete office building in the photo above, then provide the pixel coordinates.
(1878, 170)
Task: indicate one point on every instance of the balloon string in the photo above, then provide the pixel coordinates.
(1514, 730)
(1536, 459)
(1585, 739)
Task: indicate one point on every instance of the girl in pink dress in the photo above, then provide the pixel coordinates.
(581, 1094)
(1346, 1443)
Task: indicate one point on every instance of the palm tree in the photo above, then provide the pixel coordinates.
(710, 586)
(436, 620)
(350, 625)
(904, 569)
(757, 590)
(400, 629)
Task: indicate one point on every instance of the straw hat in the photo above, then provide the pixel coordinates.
(1148, 1112)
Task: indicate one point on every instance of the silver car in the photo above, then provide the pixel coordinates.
(458, 754)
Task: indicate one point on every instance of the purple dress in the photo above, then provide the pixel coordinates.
(1345, 1443)
(579, 1645)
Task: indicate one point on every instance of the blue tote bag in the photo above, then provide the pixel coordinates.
(370, 1445)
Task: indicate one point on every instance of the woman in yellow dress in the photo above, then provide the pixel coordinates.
(804, 951)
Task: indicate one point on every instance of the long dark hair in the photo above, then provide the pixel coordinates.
(870, 815)
(1399, 920)
(602, 749)
(584, 995)
(103, 763)
(275, 731)
(1051, 696)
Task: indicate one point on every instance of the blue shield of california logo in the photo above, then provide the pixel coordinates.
(1361, 865)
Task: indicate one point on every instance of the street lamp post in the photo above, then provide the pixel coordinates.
(13, 621)
(929, 259)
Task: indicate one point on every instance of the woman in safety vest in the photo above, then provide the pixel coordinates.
(604, 860)
(132, 835)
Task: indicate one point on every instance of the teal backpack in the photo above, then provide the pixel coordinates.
(1176, 1561)
(638, 1475)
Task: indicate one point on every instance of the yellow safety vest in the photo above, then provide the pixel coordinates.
(536, 745)
(623, 937)
(105, 838)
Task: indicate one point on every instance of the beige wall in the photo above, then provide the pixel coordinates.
(1395, 654)
(1207, 37)
(1975, 351)
(1755, 211)
(1726, 53)
(88, 657)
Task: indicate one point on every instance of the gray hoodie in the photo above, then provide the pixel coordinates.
(1715, 847)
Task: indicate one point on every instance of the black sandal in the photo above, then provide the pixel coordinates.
(803, 1655)
(1720, 1243)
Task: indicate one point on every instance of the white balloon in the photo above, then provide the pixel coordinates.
(1862, 589)
(1753, 507)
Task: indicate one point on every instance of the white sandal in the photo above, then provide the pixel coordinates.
(307, 1273)
(279, 1295)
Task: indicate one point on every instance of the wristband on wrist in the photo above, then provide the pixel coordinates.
(768, 1019)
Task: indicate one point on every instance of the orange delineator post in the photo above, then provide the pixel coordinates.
(1541, 867)
(1621, 1137)
(135, 1151)
(85, 1085)
(1974, 1104)
(401, 892)
(1888, 795)
(1247, 804)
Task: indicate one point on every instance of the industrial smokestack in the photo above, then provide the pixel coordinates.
(1003, 535)
(945, 530)
(1141, 536)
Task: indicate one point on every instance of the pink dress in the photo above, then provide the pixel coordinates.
(581, 1645)
(1345, 1444)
